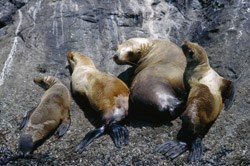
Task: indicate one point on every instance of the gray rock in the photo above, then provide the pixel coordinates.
(36, 35)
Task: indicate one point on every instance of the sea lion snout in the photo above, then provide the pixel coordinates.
(117, 59)
(38, 79)
(26, 144)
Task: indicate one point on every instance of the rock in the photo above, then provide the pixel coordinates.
(36, 35)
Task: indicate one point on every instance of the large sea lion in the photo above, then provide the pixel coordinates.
(107, 95)
(52, 115)
(207, 91)
(157, 85)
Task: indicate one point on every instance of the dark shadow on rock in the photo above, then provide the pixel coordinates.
(127, 75)
(93, 116)
(146, 117)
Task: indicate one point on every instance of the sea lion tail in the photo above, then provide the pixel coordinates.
(119, 134)
(89, 138)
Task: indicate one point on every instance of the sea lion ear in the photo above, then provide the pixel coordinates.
(228, 93)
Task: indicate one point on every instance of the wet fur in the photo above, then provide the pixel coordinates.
(207, 92)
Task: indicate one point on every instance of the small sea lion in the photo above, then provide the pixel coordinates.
(107, 95)
(207, 91)
(52, 115)
(157, 85)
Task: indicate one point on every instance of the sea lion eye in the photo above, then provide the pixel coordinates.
(191, 54)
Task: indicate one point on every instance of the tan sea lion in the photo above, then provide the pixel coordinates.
(157, 85)
(207, 93)
(107, 95)
(52, 115)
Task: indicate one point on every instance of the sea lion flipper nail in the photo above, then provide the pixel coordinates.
(228, 93)
(26, 118)
(63, 128)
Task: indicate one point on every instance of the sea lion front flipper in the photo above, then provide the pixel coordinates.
(172, 149)
(228, 93)
(119, 134)
(89, 137)
(196, 150)
(26, 118)
(63, 128)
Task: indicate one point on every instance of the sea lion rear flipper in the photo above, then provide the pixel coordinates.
(63, 128)
(195, 151)
(228, 93)
(172, 149)
(26, 118)
(89, 137)
(119, 134)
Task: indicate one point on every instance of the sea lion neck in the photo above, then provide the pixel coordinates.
(84, 67)
(192, 68)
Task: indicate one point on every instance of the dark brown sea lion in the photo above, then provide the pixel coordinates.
(52, 115)
(107, 95)
(207, 91)
(157, 85)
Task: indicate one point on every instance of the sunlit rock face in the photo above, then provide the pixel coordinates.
(35, 36)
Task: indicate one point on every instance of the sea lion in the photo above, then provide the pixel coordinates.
(157, 85)
(107, 95)
(207, 91)
(52, 115)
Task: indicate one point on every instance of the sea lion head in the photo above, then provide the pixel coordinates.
(45, 81)
(26, 144)
(78, 59)
(194, 53)
(131, 51)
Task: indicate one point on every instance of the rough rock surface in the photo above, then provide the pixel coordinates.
(35, 36)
